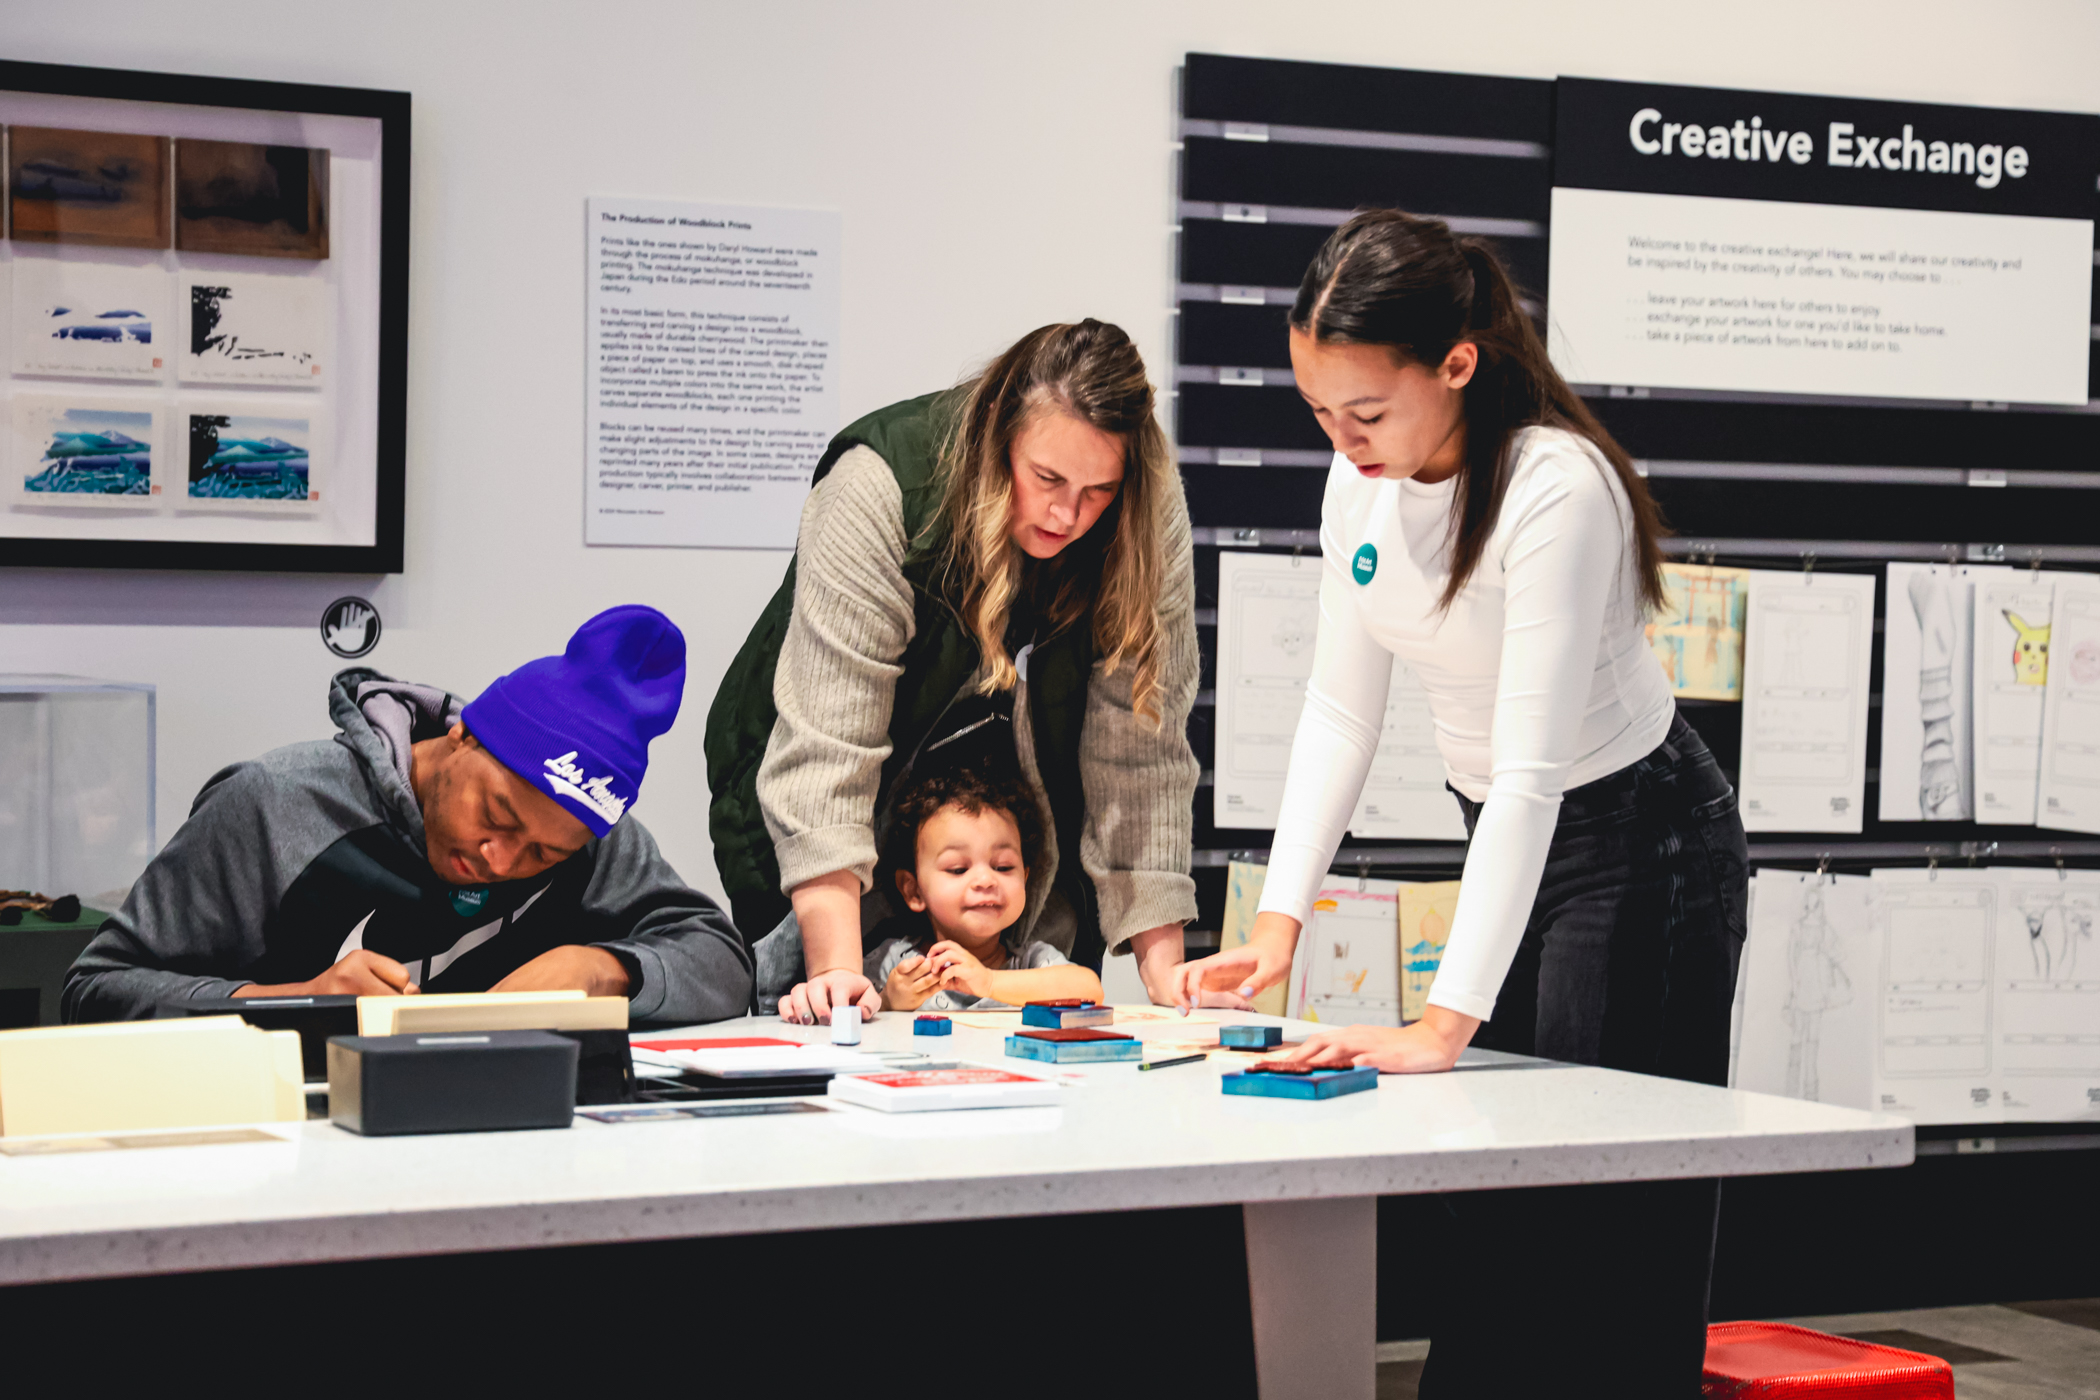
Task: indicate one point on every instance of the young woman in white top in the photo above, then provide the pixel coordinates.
(1481, 526)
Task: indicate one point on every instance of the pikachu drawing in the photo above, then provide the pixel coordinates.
(2030, 651)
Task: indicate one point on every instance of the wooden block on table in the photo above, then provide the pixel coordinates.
(437, 1014)
(1052, 1015)
(1304, 1084)
(1075, 1046)
(1250, 1037)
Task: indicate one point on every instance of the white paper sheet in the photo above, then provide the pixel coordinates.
(2047, 978)
(1404, 797)
(712, 352)
(1927, 765)
(2070, 778)
(1268, 618)
(1808, 981)
(1807, 661)
(105, 320)
(256, 329)
(1933, 1058)
(2011, 672)
(1347, 968)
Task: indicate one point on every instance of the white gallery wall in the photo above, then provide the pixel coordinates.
(998, 165)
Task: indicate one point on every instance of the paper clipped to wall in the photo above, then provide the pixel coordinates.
(1808, 978)
(1697, 635)
(2009, 681)
(1347, 967)
(712, 354)
(1927, 694)
(1805, 675)
(2069, 788)
(1268, 625)
(1427, 911)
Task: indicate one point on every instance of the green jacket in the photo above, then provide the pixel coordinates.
(938, 661)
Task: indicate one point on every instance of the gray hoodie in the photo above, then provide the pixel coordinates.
(293, 860)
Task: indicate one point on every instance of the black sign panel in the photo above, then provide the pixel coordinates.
(1727, 144)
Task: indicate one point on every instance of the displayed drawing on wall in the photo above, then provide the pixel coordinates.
(1809, 968)
(255, 329)
(1404, 797)
(1927, 747)
(249, 458)
(82, 452)
(1805, 682)
(1268, 619)
(2048, 977)
(263, 201)
(1347, 969)
(1427, 910)
(1243, 886)
(1938, 931)
(101, 188)
(89, 319)
(1698, 633)
(2011, 677)
(2069, 789)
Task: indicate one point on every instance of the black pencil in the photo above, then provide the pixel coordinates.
(1177, 1060)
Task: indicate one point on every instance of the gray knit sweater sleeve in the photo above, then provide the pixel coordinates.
(1140, 779)
(836, 680)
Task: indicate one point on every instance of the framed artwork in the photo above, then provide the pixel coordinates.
(204, 315)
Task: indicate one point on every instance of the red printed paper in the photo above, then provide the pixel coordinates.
(944, 1078)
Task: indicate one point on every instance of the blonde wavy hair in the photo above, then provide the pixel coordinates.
(1091, 371)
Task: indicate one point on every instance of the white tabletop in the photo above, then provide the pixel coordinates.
(1121, 1140)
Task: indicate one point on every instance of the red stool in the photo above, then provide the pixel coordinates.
(1775, 1361)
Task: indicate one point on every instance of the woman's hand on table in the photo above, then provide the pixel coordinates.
(811, 1002)
(1429, 1046)
(910, 983)
(1238, 974)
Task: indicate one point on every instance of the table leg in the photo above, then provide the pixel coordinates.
(1312, 1280)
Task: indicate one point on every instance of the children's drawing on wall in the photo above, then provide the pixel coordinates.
(2048, 988)
(1807, 1015)
(1348, 965)
(1698, 633)
(1426, 914)
(1926, 741)
(2013, 613)
(2068, 786)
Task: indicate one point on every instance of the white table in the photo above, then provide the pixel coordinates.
(1307, 1175)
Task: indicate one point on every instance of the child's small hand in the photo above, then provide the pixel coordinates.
(959, 970)
(910, 983)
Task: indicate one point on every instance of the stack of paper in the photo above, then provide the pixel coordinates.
(131, 1075)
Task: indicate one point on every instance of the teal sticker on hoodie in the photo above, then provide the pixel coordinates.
(467, 903)
(1365, 565)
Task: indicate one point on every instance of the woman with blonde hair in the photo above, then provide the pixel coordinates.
(998, 572)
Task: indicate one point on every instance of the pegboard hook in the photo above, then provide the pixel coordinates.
(1932, 868)
(1808, 564)
(1823, 868)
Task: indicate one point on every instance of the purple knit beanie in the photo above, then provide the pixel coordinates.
(579, 724)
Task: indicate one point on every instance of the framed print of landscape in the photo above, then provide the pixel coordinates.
(204, 317)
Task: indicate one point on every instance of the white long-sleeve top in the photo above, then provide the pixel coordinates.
(1538, 677)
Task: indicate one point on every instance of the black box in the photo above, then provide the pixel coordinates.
(315, 1018)
(605, 1072)
(464, 1082)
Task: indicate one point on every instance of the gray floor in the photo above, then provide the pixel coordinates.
(2013, 1351)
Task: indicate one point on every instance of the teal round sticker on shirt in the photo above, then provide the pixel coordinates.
(1365, 564)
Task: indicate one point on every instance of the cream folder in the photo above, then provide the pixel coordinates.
(128, 1075)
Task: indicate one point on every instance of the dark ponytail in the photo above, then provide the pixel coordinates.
(1409, 284)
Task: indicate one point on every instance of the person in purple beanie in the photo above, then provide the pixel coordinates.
(437, 845)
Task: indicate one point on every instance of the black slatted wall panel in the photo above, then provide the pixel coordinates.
(1276, 154)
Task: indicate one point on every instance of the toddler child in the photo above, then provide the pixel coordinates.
(960, 845)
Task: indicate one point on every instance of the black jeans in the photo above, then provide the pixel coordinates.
(1628, 962)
